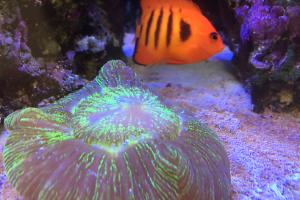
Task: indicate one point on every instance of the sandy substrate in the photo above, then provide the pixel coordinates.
(264, 149)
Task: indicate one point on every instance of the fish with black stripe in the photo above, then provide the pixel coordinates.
(176, 32)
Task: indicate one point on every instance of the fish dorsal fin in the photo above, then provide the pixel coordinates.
(116, 73)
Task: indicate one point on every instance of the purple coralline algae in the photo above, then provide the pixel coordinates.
(26, 80)
(267, 54)
(265, 39)
(113, 139)
(264, 26)
(294, 30)
(48, 48)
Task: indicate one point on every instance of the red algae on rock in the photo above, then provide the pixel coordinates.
(92, 145)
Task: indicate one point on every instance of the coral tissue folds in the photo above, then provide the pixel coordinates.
(113, 139)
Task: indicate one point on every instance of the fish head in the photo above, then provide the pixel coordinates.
(208, 43)
(199, 40)
(211, 44)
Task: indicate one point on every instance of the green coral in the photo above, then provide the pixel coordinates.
(113, 139)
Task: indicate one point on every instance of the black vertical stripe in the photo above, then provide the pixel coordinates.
(157, 31)
(170, 27)
(149, 23)
(141, 30)
(137, 42)
(185, 30)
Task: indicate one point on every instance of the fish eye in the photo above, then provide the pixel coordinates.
(214, 36)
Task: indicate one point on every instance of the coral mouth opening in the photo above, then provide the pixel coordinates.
(122, 117)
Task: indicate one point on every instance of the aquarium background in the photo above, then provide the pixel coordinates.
(249, 94)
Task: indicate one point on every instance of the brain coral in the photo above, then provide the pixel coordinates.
(113, 139)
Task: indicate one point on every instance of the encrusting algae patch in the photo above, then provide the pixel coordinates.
(113, 139)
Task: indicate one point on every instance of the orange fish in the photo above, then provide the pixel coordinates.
(176, 32)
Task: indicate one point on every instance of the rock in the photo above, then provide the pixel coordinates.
(25, 80)
(264, 36)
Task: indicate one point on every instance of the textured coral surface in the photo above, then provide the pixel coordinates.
(113, 139)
